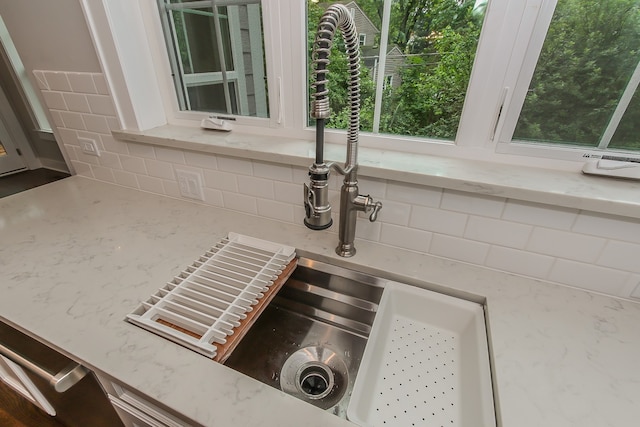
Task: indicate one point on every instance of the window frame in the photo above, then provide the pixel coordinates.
(509, 45)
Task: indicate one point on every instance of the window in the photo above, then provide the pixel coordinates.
(583, 88)
(462, 78)
(428, 48)
(363, 39)
(217, 56)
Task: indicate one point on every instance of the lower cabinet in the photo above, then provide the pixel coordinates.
(136, 411)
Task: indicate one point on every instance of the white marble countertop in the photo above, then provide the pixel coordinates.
(77, 255)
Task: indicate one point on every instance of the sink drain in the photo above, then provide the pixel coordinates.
(315, 380)
(316, 375)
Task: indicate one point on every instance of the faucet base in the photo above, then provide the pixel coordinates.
(346, 250)
(318, 227)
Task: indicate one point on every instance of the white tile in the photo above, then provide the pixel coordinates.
(125, 178)
(201, 160)
(150, 184)
(235, 165)
(102, 173)
(159, 169)
(57, 118)
(413, 194)
(96, 123)
(288, 192)
(101, 104)
(170, 155)
(41, 81)
(298, 214)
(367, 230)
(404, 237)
(113, 145)
(113, 123)
(564, 244)
(459, 249)
(81, 82)
(609, 226)
(636, 292)
(171, 189)
(538, 214)
(72, 120)
(394, 213)
(213, 197)
(221, 180)
(621, 255)
(498, 232)
(588, 276)
(142, 150)
(376, 188)
(101, 84)
(69, 136)
(57, 80)
(475, 204)
(82, 169)
(76, 102)
(300, 175)
(438, 220)
(109, 160)
(71, 152)
(259, 187)
(87, 158)
(520, 262)
(54, 100)
(276, 210)
(239, 202)
(273, 171)
(631, 287)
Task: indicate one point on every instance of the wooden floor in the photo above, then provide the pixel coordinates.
(16, 411)
(22, 181)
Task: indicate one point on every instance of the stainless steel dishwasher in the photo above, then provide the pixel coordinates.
(61, 387)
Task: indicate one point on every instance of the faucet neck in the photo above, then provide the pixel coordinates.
(337, 16)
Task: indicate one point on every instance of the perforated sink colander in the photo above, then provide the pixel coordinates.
(426, 363)
(419, 386)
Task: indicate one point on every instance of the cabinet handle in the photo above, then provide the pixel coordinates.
(61, 382)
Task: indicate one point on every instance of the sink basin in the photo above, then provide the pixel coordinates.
(372, 350)
(310, 340)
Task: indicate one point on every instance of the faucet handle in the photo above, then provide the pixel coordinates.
(376, 208)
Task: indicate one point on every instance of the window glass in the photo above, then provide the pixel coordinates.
(585, 77)
(424, 68)
(626, 134)
(217, 55)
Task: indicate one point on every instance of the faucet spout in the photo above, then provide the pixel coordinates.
(317, 207)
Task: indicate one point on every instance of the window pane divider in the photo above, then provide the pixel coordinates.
(621, 108)
(384, 38)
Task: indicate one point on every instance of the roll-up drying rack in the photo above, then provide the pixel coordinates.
(211, 304)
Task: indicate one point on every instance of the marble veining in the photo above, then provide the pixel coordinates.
(77, 255)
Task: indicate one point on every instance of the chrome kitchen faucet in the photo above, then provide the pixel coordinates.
(316, 194)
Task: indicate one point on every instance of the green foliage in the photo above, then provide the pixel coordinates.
(429, 101)
(589, 54)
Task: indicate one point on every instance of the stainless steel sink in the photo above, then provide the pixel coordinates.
(310, 340)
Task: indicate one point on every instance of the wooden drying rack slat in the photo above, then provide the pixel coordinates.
(224, 350)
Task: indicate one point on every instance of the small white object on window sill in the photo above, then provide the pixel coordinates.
(215, 123)
(613, 168)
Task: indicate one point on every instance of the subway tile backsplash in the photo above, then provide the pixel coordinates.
(571, 247)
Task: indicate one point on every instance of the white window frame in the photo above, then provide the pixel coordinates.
(234, 75)
(509, 45)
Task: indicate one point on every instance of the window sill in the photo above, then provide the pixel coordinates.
(570, 189)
